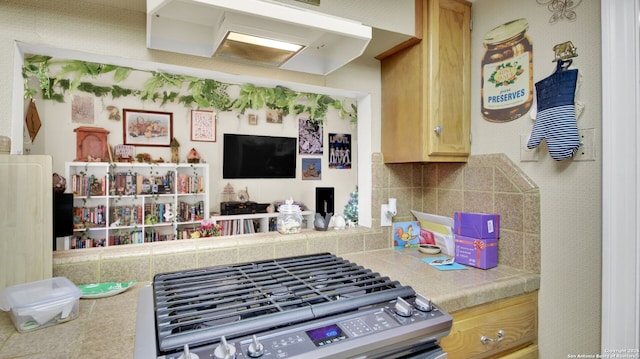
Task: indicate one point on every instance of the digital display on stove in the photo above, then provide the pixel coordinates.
(326, 335)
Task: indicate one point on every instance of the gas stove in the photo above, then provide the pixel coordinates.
(314, 306)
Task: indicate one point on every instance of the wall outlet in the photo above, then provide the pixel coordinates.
(587, 149)
(385, 221)
(527, 155)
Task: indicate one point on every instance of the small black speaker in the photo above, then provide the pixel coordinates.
(324, 200)
(62, 215)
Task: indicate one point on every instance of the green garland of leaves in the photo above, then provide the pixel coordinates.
(165, 87)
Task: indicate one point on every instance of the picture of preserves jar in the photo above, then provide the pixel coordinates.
(507, 72)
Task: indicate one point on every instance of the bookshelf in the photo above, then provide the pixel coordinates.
(255, 223)
(128, 203)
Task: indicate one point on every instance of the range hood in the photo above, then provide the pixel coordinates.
(202, 28)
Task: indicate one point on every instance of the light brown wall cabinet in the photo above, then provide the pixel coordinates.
(426, 89)
(506, 328)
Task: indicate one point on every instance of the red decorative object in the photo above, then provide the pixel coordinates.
(91, 144)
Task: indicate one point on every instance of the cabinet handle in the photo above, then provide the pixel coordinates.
(500, 337)
(438, 130)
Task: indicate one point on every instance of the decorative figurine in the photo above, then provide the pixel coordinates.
(228, 194)
(339, 223)
(175, 151)
(193, 156)
(320, 223)
(59, 183)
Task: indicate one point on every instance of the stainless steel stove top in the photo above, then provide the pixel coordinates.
(320, 299)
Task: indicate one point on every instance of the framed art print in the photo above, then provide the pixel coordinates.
(310, 137)
(147, 128)
(339, 151)
(274, 115)
(203, 126)
(252, 119)
(82, 110)
(311, 169)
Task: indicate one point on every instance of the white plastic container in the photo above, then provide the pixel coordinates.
(42, 303)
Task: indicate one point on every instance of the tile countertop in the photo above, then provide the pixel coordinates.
(106, 326)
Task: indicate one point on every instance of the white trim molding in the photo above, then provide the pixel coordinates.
(620, 176)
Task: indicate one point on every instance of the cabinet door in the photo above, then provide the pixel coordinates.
(448, 103)
(426, 90)
(26, 243)
(403, 131)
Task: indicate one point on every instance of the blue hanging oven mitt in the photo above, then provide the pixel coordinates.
(556, 119)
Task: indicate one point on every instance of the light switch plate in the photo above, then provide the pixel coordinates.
(587, 149)
(527, 155)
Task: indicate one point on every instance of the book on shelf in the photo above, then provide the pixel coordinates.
(190, 184)
(155, 236)
(89, 217)
(88, 185)
(239, 226)
(78, 242)
(131, 183)
(125, 215)
(190, 211)
(127, 237)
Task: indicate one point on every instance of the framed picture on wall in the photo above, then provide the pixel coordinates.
(274, 115)
(310, 137)
(203, 126)
(339, 151)
(82, 110)
(252, 119)
(311, 169)
(147, 128)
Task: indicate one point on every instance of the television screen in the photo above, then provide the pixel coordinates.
(251, 156)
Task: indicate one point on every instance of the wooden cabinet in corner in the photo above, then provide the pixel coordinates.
(506, 328)
(426, 89)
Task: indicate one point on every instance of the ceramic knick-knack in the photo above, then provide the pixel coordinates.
(339, 223)
(193, 156)
(320, 223)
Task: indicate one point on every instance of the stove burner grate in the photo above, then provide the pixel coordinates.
(194, 306)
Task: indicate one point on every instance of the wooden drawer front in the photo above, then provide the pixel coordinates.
(530, 352)
(517, 317)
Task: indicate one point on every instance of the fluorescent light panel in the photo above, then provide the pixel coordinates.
(256, 50)
(261, 41)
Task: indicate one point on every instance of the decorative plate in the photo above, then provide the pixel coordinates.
(106, 289)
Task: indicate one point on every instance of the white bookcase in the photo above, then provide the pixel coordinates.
(128, 203)
(254, 223)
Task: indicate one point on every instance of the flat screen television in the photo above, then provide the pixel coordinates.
(252, 156)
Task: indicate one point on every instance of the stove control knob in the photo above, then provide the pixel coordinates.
(403, 308)
(224, 350)
(255, 349)
(423, 303)
(187, 354)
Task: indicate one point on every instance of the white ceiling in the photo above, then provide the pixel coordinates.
(388, 18)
